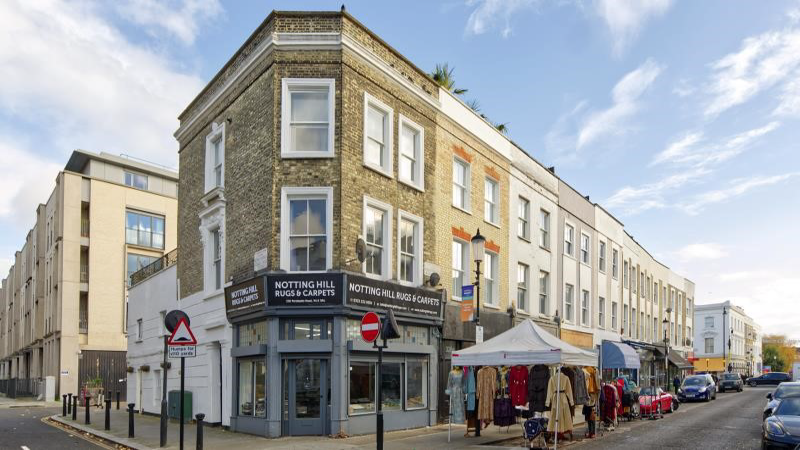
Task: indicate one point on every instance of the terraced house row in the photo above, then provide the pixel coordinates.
(322, 175)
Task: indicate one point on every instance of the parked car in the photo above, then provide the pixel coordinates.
(769, 378)
(782, 428)
(731, 381)
(787, 389)
(697, 387)
(656, 403)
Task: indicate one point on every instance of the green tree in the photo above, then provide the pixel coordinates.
(772, 357)
(443, 75)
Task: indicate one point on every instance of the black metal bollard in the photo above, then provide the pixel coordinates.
(130, 419)
(199, 442)
(118, 392)
(75, 408)
(108, 414)
(69, 403)
(64, 405)
(88, 409)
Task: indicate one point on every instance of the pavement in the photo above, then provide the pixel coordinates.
(733, 421)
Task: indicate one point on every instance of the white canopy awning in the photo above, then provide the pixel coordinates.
(525, 344)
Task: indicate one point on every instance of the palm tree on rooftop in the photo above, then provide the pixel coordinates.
(443, 74)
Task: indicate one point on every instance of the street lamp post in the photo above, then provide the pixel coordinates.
(724, 330)
(478, 247)
(665, 323)
(730, 355)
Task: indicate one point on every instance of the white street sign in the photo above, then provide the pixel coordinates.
(478, 334)
(182, 351)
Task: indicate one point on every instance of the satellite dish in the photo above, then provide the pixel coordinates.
(389, 329)
(361, 250)
(173, 317)
(434, 279)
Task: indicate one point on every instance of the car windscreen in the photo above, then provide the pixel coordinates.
(730, 376)
(647, 391)
(694, 381)
(789, 407)
(783, 391)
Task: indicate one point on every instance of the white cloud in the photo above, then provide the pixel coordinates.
(25, 180)
(738, 187)
(683, 88)
(686, 151)
(744, 275)
(789, 97)
(490, 14)
(625, 18)
(701, 251)
(634, 200)
(180, 18)
(625, 96)
(762, 62)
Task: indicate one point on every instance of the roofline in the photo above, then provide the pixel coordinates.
(79, 158)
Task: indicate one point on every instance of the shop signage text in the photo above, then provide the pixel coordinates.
(375, 294)
(245, 297)
(305, 290)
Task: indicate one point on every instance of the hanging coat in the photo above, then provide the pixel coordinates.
(581, 391)
(559, 391)
(519, 385)
(610, 403)
(537, 387)
(455, 389)
(487, 382)
(593, 379)
(469, 388)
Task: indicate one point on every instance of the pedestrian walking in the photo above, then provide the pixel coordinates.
(676, 382)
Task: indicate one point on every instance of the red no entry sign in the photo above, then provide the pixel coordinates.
(370, 326)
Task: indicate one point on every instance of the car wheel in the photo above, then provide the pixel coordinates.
(708, 397)
(722, 389)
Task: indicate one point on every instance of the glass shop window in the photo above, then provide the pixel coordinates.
(252, 387)
(416, 384)
(254, 333)
(362, 388)
(391, 386)
(305, 330)
(415, 335)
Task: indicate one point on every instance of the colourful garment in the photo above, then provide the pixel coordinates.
(519, 385)
(469, 388)
(487, 379)
(455, 389)
(609, 403)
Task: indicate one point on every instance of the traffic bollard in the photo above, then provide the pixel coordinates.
(69, 403)
(108, 414)
(199, 441)
(118, 400)
(88, 409)
(64, 405)
(130, 419)
(75, 408)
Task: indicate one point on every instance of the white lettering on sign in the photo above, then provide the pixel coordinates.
(305, 288)
(244, 295)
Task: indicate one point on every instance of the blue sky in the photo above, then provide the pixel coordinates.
(680, 117)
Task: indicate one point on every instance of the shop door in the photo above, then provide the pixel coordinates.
(307, 394)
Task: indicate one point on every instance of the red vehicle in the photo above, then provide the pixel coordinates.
(660, 403)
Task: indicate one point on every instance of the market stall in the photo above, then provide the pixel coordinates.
(619, 357)
(529, 344)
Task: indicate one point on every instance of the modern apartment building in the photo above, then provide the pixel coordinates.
(63, 303)
(323, 175)
(726, 338)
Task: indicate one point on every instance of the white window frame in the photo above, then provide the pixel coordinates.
(386, 261)
(544, 292)
(139, 330)
(614, 314)
(289, 84)
(586, 311)
(491, 263)
(626, 276)
(216, 259)
(601, 256)
(306, 192)
(523, 285)
(586, 246)
(388, 128)
(465, 261)
(467, 207)
(419, 153)
(491, 205)
(571, 241)
(614, 264)
(133, 178)
(601, 312)
(706, 321)
(418, 234)
(523, 218)
(217, 135)
(211, 219)
(569, 301)
(544, 229)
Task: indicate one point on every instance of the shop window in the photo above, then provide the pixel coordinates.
(415, 335)
(391, 386)
(252, 388)
(416, 384)
(254, 333)
(362, 388)
(353, 329)
(305, 330)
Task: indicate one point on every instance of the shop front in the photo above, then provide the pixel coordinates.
(301, 368)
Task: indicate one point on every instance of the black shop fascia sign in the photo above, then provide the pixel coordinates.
(308, 289)
(246, 297)
(378, 295)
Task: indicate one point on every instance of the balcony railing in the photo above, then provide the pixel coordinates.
(154, 267)
(85, 227)
(84, 273)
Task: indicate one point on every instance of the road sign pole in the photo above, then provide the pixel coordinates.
(379, 400)
(162, 440)
(183, 370)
